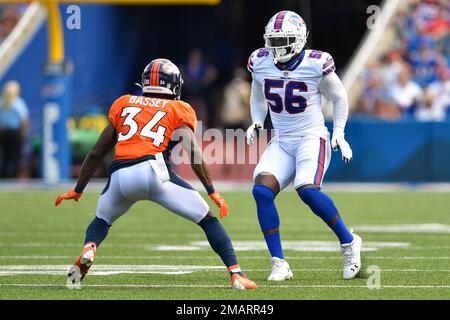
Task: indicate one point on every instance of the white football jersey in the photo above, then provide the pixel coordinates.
(292, 91)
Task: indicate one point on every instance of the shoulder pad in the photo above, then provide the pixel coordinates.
(323, 62)
(257, 58)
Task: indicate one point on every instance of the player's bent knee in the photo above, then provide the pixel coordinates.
(267, 213)
(208, 216)
(263, 194)
(313, 197)
(307, 193)
(268, 180)
(105, 218)
(307, 186)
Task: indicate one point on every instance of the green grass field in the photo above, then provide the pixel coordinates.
(153, 254)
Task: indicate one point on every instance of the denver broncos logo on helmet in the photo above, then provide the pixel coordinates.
(170, 68)
(161, 76)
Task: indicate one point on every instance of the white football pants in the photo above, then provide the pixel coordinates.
(139, 182)
(302, 159)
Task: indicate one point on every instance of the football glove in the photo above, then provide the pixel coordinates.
(338, 142)
(250, 133)
(71, 194)
(221, 203)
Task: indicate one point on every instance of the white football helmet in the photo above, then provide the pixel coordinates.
(285, 35)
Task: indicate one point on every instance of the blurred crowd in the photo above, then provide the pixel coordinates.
(217, 103)
(412, 80)
(14, 121)
(9, 16)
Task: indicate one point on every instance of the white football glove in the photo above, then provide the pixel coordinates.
(250, 133)
(338, 142)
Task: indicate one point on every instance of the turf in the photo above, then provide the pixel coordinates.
(34, 232)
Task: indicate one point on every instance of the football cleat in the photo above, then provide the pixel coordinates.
(240, 282)
(351, 254)
(83, 263)
(280, 270)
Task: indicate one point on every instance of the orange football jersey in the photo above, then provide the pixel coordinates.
(145, 125)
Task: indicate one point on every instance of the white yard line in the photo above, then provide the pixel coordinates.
(426, 228)
(142, 235)
(222, 286)
(107, 270)
(241, 257)
(340, 270)
(259, 245)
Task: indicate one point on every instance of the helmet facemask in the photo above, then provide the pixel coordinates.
(177, 90)
(284, 46)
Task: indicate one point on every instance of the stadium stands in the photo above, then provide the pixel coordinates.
(412, 78)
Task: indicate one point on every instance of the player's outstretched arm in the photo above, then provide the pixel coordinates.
(104, 144)
(200, 167)
(332, 87)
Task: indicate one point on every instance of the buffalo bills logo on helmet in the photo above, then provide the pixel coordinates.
(296, 20)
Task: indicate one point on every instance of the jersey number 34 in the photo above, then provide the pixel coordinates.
(130, 113)
(292, 103)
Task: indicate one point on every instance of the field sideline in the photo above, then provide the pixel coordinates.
(153, 254)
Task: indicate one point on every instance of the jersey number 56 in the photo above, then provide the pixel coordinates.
(292, 103)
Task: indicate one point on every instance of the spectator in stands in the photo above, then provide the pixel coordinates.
(437, 99)
(198, 77)
(439, 26)
(406, 93)
(235, 114)
(13, 129)
(444, 46)
(371, 93)
(418, 37)
(9, 16)
(440, 29)
(390, 67)
(235, 111)
(426, 10)
(425, 64)
(374, 100)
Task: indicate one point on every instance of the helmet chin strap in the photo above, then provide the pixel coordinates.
(288, 56)
(286, 59)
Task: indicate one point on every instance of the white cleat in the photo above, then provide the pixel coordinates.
(351, 254)
(280, 270)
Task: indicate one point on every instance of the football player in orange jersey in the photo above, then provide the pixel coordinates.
(141, 128)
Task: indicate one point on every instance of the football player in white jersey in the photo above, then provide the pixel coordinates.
(288, 80)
